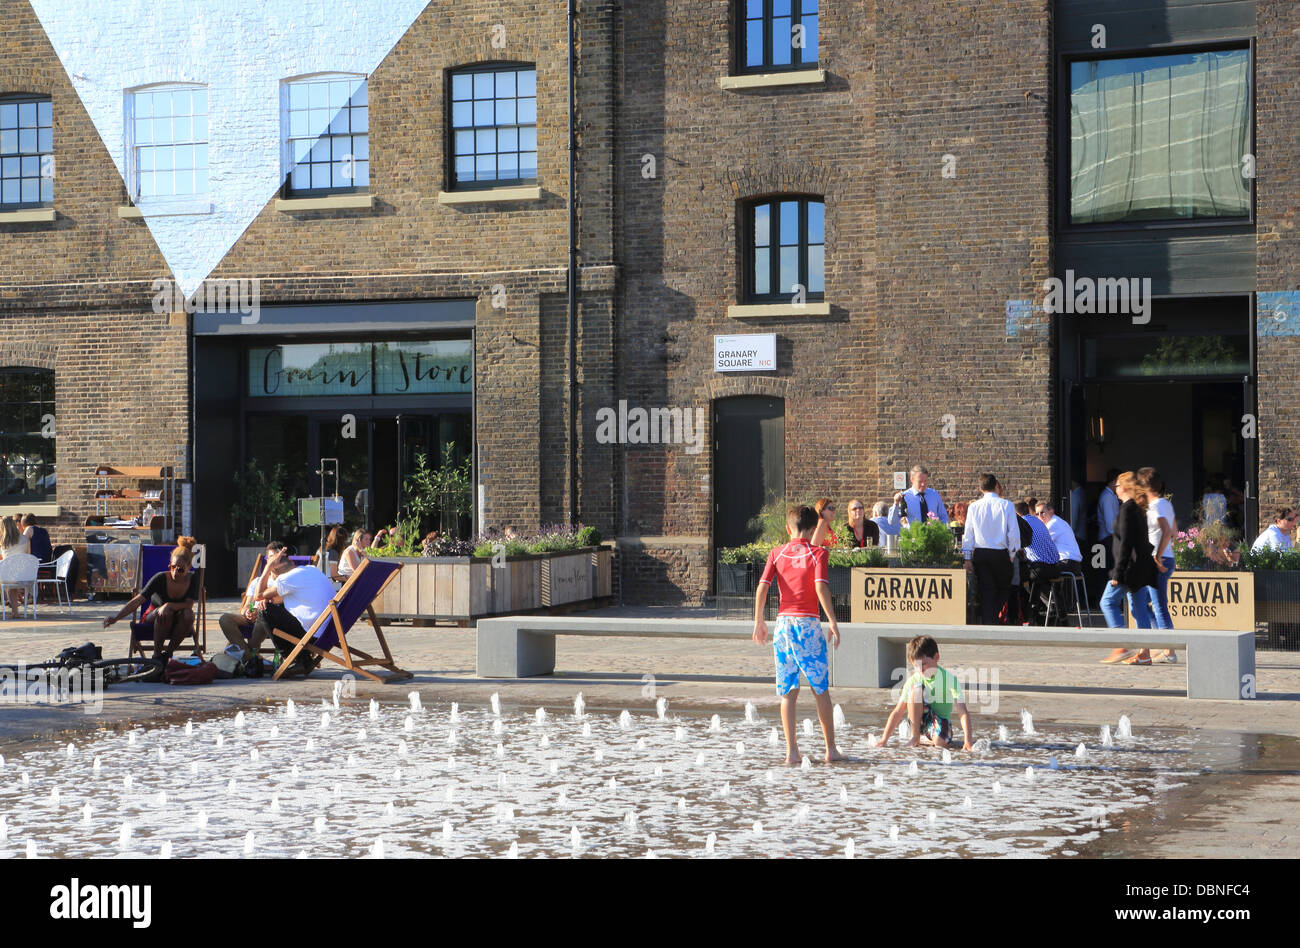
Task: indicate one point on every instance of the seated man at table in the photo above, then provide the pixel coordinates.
(301, 594)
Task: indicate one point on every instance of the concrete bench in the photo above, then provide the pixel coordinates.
(869, 655)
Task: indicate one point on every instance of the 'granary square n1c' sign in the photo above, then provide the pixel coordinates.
(934, 596)
(755, 353)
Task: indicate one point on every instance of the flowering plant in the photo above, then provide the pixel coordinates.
(1208, 546)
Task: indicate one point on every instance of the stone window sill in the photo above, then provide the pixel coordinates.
(31, 507)
(779, 310)
(173, 209)
(773, 80)
(28, 215)
(330, 202)
(490, 196)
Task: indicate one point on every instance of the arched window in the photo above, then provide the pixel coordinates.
(493, 111)
(167, 137)
(327, 142)
(785, 244)
(26, 435)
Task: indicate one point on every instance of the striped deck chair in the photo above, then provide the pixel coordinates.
(331, 628)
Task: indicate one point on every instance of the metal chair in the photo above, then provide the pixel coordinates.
(1077, 584)
(62, 568)
(19, 571)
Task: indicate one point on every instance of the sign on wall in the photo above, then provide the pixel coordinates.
(933, 596)
(1220, 602)
(744, 353)
(362, 368)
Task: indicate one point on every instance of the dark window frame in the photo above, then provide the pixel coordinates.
(796, 63)
(748, 248)
(449, 138)
(287, 190)
(20, 99)
(1063, 138)
(15, 410)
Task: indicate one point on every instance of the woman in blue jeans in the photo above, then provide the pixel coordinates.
(1135, 567)
(1162, 527)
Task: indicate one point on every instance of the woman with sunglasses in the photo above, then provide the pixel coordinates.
(172, 595)
(862, 532)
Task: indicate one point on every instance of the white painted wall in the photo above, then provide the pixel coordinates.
(241, 50)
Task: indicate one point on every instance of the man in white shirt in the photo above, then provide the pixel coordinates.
(1277, 535)
(988, 545)
(917, 503)
(1064, 538)
(301, 594)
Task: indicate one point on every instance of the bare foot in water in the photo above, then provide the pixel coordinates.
(833, 754)
(793, 759)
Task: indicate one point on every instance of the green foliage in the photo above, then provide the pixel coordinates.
(1203, 547)
(261, 507)
(442, 495)
(588, 536)
(870, 556)
(1283, 560)
(1191, 355)
(927, 543)
(752, 553)
(770, 521)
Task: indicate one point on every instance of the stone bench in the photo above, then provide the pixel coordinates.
(870, 655)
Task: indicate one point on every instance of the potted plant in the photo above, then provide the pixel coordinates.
(260, 511)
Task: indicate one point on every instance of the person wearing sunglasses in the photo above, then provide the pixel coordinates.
(172, 595)
(861, 531)
(1277, 535)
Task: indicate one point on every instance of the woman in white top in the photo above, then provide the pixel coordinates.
(1162, 527)
(351, 557)
(12, 540)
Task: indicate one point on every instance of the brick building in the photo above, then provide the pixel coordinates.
(884, 187)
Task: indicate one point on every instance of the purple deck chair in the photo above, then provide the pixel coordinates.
(332, 626)
(156, 559)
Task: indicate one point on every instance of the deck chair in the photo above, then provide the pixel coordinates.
(155, 560)
(331, 628)
(268, 645)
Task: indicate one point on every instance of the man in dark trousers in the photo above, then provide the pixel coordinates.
(989, 544)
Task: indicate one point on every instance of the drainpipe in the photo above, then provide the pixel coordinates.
(573, 280)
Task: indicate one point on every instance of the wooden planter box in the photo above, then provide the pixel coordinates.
(462, 588)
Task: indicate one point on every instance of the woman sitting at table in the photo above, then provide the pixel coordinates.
(353, 555)
(861, 531)
(13, 541)
(172, 594)
(824, 535)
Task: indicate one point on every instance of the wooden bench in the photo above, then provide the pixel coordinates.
(1219, 664)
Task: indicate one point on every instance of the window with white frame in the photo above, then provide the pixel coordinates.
(327, 118)
(169, 142)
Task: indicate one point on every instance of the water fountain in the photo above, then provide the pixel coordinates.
(844, 794)
(967, 804)
(699, 759)
(579, 705)
(773, 737)
(1081, 752)
(239, 721)
(377, 850)
(679, 734)
(893, 833)
(401, 748)
(807, 727)
(318, 825)
(71, 750)
(586, 729)
(545, 742)
(661, 708)
(337, 693)
(630, 819)
(496, 704)
(1027, 723)
(161, 799)
(837, 717)
(1105, 736)
(455, 714)
(711, 843)
(275, 732)
(352, 761)
(130, 738)
(878, 782)
(498, 728)
(625, 721)
(513, 851)
(220, 740)
(641, 744)
(126, 781)
(758, 828)
(806, 764)
(124, 836)
(85, 813)
(408, 724)
(324, 720)
(913, 769)
(681, 804)
(740, 748)
(1003, 734)
(252, 753)
(54, 797)
(598, 755)
(248, 843)
(290, 710)
(99, 763)
(1125, 729)
(165, 852)
(555, 767)
(414, 698)
(1029, 774)
(4, 827)
(849, 849)
(451, 738)
(715, 725)
(231, 787)
(751, 713)
(446, 831)
(997, 787)
(374, 709)
(201, 820)
(947, 756)
(540, 715)
(575, 838)
(904, 731)
(31, 849)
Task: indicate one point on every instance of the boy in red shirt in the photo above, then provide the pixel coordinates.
(802, 576)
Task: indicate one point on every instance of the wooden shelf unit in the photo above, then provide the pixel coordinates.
(163, 498)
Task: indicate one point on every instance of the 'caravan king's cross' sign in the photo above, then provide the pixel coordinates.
(744, 353)
(926, 596)
(1222, 602)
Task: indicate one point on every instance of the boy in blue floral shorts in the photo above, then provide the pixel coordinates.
(802, 573)
(929, 698)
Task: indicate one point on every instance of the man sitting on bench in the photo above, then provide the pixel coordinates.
(301, 594)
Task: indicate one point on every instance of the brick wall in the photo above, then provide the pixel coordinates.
(1277, 231)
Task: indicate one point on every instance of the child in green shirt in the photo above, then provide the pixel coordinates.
(928, 699)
